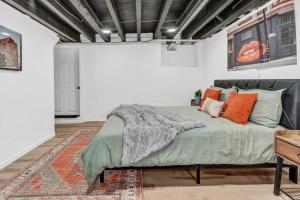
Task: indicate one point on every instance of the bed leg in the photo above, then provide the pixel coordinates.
(198, 174)
(102, 177)
(293, 174)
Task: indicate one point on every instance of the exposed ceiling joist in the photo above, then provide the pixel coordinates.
(88, 15)
(115, 17)
(40, 14)
(55, 7)
(235, 13)
(190, 13)
(213, 10)
(193, 18)
(138, 6)
(163, 15)
(219, 18)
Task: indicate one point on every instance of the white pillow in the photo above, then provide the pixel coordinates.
(212, 107)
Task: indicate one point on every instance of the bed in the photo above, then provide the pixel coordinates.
(220, 143)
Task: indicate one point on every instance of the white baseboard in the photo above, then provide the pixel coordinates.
(68, 121)
(24, 151)
(77, 120)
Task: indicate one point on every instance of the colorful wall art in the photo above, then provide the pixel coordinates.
(264, 38)
(10, 50)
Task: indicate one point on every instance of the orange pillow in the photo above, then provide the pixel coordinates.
(239, 107)
(213, 94)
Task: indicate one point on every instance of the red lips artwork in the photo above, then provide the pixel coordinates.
(251, 52)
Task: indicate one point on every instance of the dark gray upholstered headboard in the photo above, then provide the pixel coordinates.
(290, 98)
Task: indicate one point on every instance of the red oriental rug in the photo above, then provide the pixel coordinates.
(59, 175)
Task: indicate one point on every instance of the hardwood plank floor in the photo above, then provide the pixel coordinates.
(231, 184)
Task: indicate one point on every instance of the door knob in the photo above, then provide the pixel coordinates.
(78, 87)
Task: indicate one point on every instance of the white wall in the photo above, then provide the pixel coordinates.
(114, 74)
(26, 97)
(111, 74)
(215, 60)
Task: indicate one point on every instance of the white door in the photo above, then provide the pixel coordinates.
(66, 72)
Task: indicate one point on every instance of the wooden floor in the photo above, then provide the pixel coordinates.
(223, 184)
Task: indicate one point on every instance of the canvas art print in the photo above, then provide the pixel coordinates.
(266, 38)
(10, 50)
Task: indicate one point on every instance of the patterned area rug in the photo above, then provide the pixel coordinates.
(59, 175)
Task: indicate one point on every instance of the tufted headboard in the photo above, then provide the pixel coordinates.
(290, 98)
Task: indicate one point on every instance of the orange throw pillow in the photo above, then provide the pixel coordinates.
(239, 107)
(213, 94)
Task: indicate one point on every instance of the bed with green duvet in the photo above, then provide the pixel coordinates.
(220, 142)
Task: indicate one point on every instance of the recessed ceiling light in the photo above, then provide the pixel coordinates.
(171, 30)
(7, 34)
(106, 31)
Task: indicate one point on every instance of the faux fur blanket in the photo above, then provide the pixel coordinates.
(148, 130)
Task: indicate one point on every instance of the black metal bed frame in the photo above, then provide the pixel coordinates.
(293, 170)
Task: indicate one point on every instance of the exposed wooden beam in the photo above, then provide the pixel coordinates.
(163, 14)
(57, 8)
(89, 16)
(219, 18)
(189, 14)
(231, 17)
(213, 10)
(138, 10)
(115, 17)
(41, 15)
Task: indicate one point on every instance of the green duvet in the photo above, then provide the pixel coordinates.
(220, 142)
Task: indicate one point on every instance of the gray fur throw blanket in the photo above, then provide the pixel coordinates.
(148, 130)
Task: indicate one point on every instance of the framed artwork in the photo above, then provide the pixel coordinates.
(264, 38)
(10, 49)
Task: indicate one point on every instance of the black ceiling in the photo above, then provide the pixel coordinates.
(193, 19)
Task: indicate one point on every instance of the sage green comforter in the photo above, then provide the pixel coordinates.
(220, 142)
